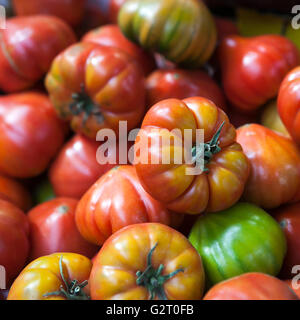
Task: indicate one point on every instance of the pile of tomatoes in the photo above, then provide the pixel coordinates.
(77, 223)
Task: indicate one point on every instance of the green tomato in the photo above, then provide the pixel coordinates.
(243, 238)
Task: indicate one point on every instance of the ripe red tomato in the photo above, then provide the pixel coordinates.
(253, 68)
(111, 36)
(275, 166)
(95, 87)
(30, 134)
(70, 11)
(289, 103)
(289, 218)
(14, 239)
(181, 84)
(53, 229)
(14, 192)
(251, 286)
(114, 8)
(29, 44)
(117, 200)
(226, 170)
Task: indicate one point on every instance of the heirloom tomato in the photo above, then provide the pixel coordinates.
(14, 239)
(289, 103)
(275, 166)
(294, 286)
(111, 36)
(95, 87)
(253, 68)
(289, 218)
(183, 31)
(251, 286)
(29, 44)
(59, 276)
(243, 238)
(226, 168)
(31, 134)
(117, 200)
(181, 84)
(53, 229)
(147, 261)
(70, 11)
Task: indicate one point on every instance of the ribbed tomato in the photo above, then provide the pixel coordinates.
(147, 261)
(29, 45)
(253, 68)
(251, 286)
(95, 87)
(59, 276)
(275, 166)
(181, 84)
(30, 134)
(182, 30)
(226, 168)
(116, 200)
(289, 103)
(111, 36)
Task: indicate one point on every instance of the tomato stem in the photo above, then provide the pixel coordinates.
(73, 290)
(153, 279)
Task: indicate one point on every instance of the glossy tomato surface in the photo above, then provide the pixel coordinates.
(127, 251)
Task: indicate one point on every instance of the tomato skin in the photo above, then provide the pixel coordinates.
(289, 218)
(14, 239)
(243, 238)
(116, 200)
(125, 253)
(289, 103)
(181, 84)
(31, 55)
(27, 152)
(91, 67)
(183, 31)
(14, 192)
(114, 8)
(253, 68)
(169, 183)
(50, 222)
(275, 166)
(69, 11)
(42, 276)
(111, 35)
(251, 286)
(290, 284)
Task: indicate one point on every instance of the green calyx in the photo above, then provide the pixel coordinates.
(72, 290)
(209, 148)
(153, 280)
(83, 104)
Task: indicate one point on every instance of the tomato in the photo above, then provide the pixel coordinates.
(59, 276)
(14, 241)
(253, 68)
(13, 191)
(275, 166)
(116, 200)
(111, 35)
(92, 86)
(289, 103)
(26, 151)
(76, 168)
(181, 84)
(225, 27)
(243, 238)
(147, 261)
(53, 229)
(182, 30)
(226, 167)
(29, 44)
(251, 286)
(289, 218)
(293, 287)
(68, 10)
(114, 8)
(271, 119)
